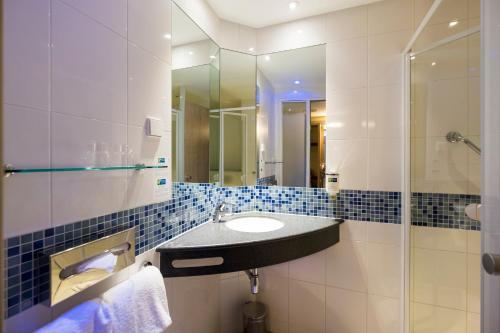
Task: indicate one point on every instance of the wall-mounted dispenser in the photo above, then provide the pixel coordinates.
(332, 183)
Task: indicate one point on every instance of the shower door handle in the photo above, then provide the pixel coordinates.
(491, 263)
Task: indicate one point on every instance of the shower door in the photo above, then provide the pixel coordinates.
(445, 270)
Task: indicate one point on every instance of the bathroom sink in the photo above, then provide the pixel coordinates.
(254, 224)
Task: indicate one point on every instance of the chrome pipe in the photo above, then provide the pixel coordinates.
(454, 137)
(253, 276)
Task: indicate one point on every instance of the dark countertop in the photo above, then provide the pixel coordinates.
(217, 234)
(217, 249)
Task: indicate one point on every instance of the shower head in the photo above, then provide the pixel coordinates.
(454, 137)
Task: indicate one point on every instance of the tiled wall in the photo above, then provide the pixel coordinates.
(27, 270)
(445, 287)
(354, 286)
(80, 79)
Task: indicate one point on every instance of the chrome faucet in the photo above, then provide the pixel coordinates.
(220, 212)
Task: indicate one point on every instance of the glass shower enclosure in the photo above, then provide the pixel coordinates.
(443, 172)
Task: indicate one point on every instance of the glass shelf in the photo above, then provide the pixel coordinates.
(10, 170)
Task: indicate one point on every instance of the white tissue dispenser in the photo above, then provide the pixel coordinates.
(78, 268)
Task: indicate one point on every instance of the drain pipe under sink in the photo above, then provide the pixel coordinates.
(253, 276)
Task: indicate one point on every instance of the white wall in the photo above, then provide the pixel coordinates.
(80, 79)
(353, 286)
(364, 81)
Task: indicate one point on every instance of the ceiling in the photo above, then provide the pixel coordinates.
(184, 30)
(307, 65)
(261, 13)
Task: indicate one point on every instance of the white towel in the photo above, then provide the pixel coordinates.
(83, 318)
(137, 305)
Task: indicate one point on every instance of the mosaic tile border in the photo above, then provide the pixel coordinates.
(27, 267)
(442, 210)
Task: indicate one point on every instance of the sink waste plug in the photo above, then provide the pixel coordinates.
(254, 317)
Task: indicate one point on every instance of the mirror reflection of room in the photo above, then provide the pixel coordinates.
(292, 117)
(195, 91)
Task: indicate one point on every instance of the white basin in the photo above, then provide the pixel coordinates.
(254, 224)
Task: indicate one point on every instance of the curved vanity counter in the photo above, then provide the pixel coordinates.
(214, 248)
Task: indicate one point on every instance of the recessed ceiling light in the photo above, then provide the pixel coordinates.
(267, 58)
(453, 23)
(190, 52)
(293, 5)
(433, 63)
(167, 36)
(251, 49)
(296, 82)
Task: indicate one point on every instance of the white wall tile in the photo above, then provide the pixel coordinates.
(385, 63)
(346, 64)
(383, 315)
(274, 293)
(385, 112)
(473, 283)
(433, 319)
(347, 114)
(345, 311)
(247, 38)
(353, 230)
(195, 295)
(385, 233)
(310, 268)
(231, 301)
(348, 157)
(439, 239)
(438, 166)
(346, 24)
(80, 142)
(142, 189)
(441, 107)
(474, 242)
(26, 38)
(111, 13)
(94, 85)
(281, 270)
(148, 86)
(291, 35)
(307, 307)
(440, 278)
(473, 323)
(384, 269)
(147, 26)
(389, 15)
(26, 144)
(229, 35)
(385, 163)
(346, 266)
(474, 106)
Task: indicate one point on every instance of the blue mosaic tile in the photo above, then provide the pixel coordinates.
(27, 264)
(442, 210)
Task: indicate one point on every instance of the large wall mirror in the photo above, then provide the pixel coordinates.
(240, 119)
(195, 92)
(292, 117)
